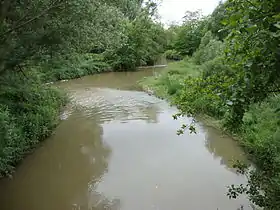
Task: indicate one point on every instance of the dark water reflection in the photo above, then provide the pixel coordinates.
(117, 148)
(222, 147)
(61, 170)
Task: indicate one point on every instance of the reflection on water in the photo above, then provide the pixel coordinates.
(117, 149)
(57, 175)
(222, 147)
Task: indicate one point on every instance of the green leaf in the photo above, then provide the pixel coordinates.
(252, 28)
(277, 25)
(230, 103)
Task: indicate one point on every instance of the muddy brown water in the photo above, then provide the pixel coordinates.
(116, 148)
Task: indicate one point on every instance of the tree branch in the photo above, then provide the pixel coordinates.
(55, 4)
(21, 70)
(253, 5)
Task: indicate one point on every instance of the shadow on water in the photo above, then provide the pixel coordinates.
(57, 175)
(222, 147)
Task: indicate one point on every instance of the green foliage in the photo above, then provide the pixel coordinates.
(209, 49)
(171, 35)
(253, 51)
(216, 67)
(43, 41)
(74, 66)
(215, 23)
(189, 35)
(10, 141)
(144, 43)
(40, 28)
(203, 95)
(173, 55)
(260, 137)
(170, 81)
(238, 84)
(28, 113)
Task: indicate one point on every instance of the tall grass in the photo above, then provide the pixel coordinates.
(170, 80)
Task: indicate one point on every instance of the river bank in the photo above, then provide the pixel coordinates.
(30, 105)
(30, 109)
(167, 84)
(117, 148)
(171, 80)
(29, 112)
(258, 133)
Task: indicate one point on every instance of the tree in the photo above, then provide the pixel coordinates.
(34, 29)
(144, 41)
(215, 21)
(190, 33)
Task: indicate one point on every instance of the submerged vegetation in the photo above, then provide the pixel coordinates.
(231, 73)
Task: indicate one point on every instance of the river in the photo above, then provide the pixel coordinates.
(116, 148)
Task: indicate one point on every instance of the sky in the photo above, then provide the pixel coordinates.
(174, 10)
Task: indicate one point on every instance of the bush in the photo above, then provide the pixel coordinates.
(75, 66)
(10, 141)
(261, 138)
(171, 83)
(173, 55)
(209, 49)
(28, 113)
(216, 66)
(197, 97)
(260, 124)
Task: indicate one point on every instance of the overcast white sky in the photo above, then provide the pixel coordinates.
(174, 10)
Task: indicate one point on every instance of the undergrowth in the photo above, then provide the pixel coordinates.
(28, 113)
(73, 66)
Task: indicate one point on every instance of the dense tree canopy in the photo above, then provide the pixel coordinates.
(32, 29)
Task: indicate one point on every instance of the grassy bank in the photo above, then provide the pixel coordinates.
(258, 133)
(170, 81)
(260, 121)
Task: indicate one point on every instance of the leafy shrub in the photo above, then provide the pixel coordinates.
(261, 138)
(260, 124)
(74, 66)
(171, 83)
(28, 113)
(173, 55)
(10, 141)
(209, 49)
(197, 97)
(215, 67)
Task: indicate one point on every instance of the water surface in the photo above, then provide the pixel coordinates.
(116, 148)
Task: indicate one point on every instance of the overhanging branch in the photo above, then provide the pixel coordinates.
(55, 4)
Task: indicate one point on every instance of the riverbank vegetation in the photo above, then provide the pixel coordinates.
(50, 40)
(229, 70)
(235, 56)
